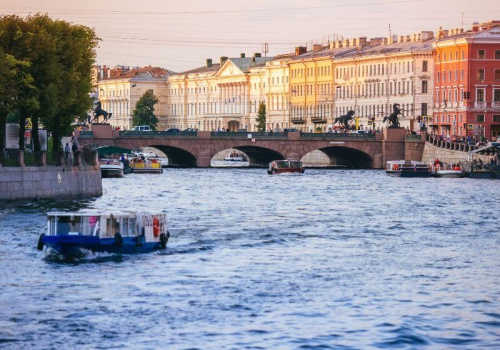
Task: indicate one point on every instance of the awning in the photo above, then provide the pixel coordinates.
(491, 147)
(107, 150)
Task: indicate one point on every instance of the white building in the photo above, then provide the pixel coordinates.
(119, 94)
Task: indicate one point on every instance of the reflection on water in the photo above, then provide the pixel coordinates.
(327, 259)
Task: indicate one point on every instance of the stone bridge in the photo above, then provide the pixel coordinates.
(197, 149)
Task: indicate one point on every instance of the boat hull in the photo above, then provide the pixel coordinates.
(111, 172)
(414, 174)
(448, 174)
(66, 244)
(285, 171)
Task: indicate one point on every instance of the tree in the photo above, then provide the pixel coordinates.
(261, 117)
(57, 75)
(144, 110)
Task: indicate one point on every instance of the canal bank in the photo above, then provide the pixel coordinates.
(81, 178)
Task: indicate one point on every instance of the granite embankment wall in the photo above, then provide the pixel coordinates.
(50, 182)
(431, 152)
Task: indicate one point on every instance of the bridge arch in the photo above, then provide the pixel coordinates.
(177, 157)
(259, 156)
(349, 157)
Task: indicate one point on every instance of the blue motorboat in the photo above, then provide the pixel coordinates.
(104, 231)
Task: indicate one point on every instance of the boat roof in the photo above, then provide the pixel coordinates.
(107, 150)
(98, 212)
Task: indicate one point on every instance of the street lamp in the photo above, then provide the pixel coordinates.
(334, 96)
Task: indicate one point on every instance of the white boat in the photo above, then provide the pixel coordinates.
(119, 232)
(407, 168)
(235, 157)
(111, 167)
(394, 166)
(447, 170)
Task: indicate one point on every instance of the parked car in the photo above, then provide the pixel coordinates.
(290, 130)
(141, 128)
(173, 131)
(189, 130)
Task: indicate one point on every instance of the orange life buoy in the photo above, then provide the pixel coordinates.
(156, 227)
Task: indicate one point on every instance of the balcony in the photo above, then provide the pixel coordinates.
(319, 120)
(298, 120)
(495, 105)
(479, 104)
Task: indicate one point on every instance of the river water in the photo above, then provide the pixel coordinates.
(332, 259)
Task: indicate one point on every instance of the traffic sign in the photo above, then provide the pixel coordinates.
(28, 124)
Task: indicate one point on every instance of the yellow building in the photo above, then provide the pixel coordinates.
(311, 89)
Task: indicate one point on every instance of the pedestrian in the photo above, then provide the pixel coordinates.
(67, 150)
(74, 148)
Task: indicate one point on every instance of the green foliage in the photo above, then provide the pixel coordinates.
(144, 110)
(52, 62)
(261, 117)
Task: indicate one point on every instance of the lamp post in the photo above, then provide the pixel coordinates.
(334, 96)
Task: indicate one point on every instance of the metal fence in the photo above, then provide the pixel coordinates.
(148, 134)
(33, 158)
(9, 158)
(336, 136)
(248, 135)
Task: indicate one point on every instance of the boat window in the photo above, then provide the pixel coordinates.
(124, 230)
(112, 226)
(295, 165)
(132, 227)
(89, 225)
(52, 227)
(63, 224)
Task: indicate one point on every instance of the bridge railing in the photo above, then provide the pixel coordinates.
(336, 136)
(149, 134)
(411, 137)
(87, 134)
(246, 135)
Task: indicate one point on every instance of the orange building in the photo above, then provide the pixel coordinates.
(467, 81)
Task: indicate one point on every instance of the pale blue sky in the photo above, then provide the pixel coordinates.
(180, 35)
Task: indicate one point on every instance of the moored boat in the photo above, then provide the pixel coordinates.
(235, 157)
(415, 169)
(394, 166)
(104, 231)
(146, 165)
(447, 170)
(111, 167)
(285, 166)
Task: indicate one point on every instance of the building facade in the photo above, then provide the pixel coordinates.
(119, 94)
(467, 81)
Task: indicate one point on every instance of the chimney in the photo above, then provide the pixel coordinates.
(362, 42)
(427, 35)
(353, 42)
(385, 41)
(223, 60)
(300, 50)
(345, 43)
(317, 47)
(257, 54)
(378, 41)
(394, 39)
(475, 27)
(209, 62)
(242, 55)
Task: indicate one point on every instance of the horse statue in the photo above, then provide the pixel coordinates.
(97, 112)
(393, 117)
(344, 120)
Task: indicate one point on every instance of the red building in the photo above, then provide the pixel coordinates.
(467, 81)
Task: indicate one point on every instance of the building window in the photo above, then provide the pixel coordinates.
(496, 95)
(480, 95)
(424, 86)
(444, 76)
(423, 109)
(438, 76)
(497, 54)
(424, 66)
(496, 118)
(480, 74)
(480, 118)
(481, 54)
(497, 74)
